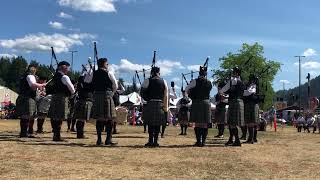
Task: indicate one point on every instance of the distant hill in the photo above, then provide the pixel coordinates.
(291, 95)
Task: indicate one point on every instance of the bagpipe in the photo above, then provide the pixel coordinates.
(183, 75)
(51, 68)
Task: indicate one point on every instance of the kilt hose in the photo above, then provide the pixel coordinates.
(183, 117)
(59, 107)
(153, 113)
(26, 107)
(236, 112)
(220, 114)
(103, 106)
(83, 109)
(200, 111)
(251, 113)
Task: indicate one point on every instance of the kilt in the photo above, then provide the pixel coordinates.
(183, 117)
(251, 112)
(83, 109)
(236, 112)
(220, 114)
(103, 106)
(153, 113)
(59, 107)
(72, 107)
(26, 106)
(200, 111)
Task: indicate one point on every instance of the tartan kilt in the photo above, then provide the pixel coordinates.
(200, 111)
(83, 109)
(59, 107)
(153, 113)
(103, 106)
(220, 114)
(183, 117)
(26, 106)
(236, 112)
(251, 112)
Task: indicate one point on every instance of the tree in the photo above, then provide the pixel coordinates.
(250, 60)
(16, 70)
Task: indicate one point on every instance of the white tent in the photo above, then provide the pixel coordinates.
(134, 97)
(7, 95)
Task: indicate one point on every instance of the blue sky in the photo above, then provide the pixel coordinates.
(183, 32)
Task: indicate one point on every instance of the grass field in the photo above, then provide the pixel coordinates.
(281, 155)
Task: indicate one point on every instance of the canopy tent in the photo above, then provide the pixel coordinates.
(132, 99)
(7, 96)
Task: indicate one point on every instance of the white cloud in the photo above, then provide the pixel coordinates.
(89, 5)
(309, 52)
(193, 67)
(44, 42)
(311, 65)
(8, 55)
(56, 25)
(65, 15)
(126, 66)
(284, 81)
(123, 40)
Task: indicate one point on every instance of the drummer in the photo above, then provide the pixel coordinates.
(43, 105)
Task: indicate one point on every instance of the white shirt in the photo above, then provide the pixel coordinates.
(251, 90)
(31, 80)
(145, 85)
(233, 80)
(66, 81)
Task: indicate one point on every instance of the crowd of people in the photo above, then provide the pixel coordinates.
(95, 96)
(307, 122)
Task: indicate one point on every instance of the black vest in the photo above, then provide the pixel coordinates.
(202, 89)
(25, 89)
(101, 81)
(236, 91)
(155, 89)
(85, 90)
(184, 101)
(58, 86)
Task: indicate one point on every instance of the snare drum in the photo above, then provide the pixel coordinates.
(44, 104)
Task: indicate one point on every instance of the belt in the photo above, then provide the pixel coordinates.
(155, 100)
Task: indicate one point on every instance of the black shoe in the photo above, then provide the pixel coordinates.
(72, 130)
(236, 143)
(249, 141)
(181, 134)
(155, 145)
(185, 134)
(31, 136)
(229, 143)
(149, 144)
(243, 138)
(57, 139)
(197, 144)
(162, 135)
(217, 136)
(23, 135)
(115, 132)
(98, 143)
(110, 143)
(39, 132)
(255, 141)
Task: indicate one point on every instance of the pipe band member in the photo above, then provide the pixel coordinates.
(116, 99)
(221, 100)
(251, 109)
(154, 90)
(172, 96)
(83, 107)
(43, 104)
(63, 89)
(104, 86)
(26, 103)
(199, 92)
(236, 107)
(183, 106)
